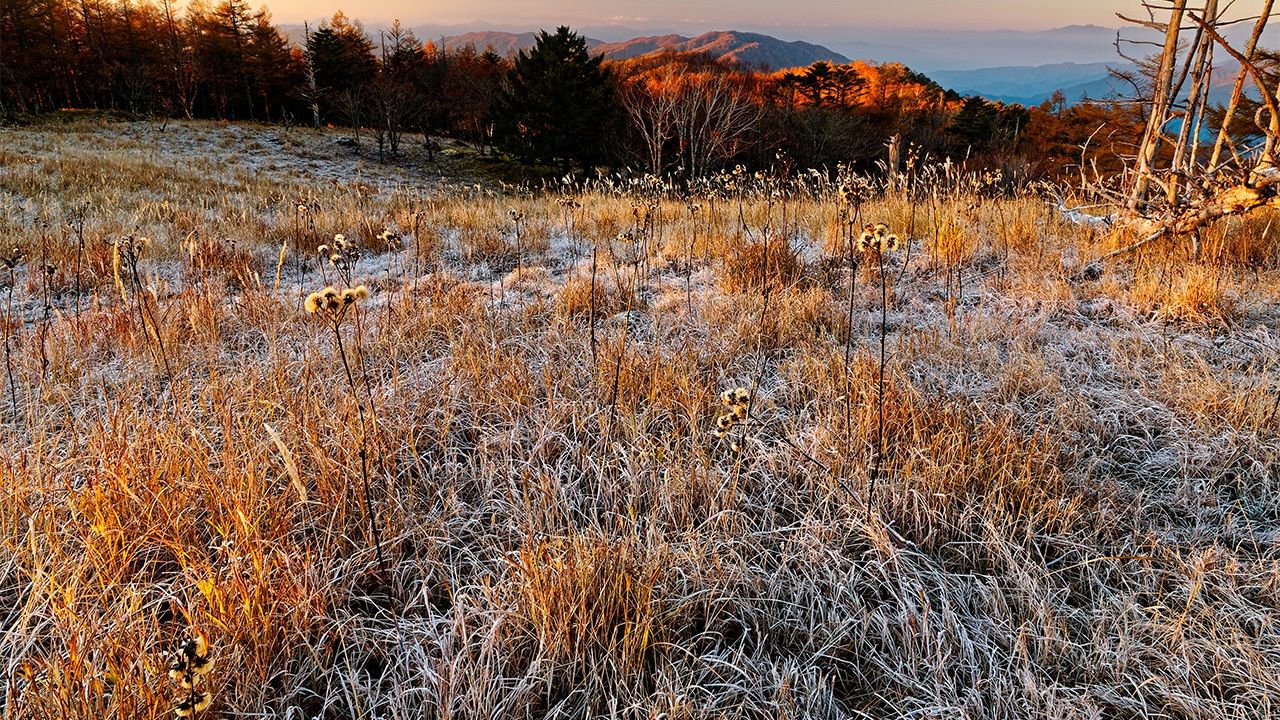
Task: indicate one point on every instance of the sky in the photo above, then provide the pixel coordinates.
(726, 14)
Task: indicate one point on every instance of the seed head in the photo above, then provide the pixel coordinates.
(192, 703)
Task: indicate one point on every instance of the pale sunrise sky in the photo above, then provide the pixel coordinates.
(913, 14)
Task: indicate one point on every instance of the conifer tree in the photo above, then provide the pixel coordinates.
(557, 102)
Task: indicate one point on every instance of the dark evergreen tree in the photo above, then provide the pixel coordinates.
(344, 62)
(982, 125)
(557, 102)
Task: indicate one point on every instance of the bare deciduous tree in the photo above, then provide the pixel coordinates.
(653, 104)
(713, 116)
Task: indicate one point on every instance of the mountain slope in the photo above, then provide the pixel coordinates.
(752, 49)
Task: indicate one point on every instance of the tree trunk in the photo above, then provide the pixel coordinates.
(1161, 100)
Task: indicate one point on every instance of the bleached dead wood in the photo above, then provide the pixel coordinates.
(1191, 195)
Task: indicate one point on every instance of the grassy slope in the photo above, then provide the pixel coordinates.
(1076, 514)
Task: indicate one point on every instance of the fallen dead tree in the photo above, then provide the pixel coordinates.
(1170, 190)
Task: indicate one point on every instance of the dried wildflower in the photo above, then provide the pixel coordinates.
(736, 402)
(190, 664)
(333, 303)
(877, 239)
(865, 241)
(192, 661)
(11, 259)
(191, 704)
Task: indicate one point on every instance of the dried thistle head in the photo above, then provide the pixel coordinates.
(877, 239)
(865, 241)
(333, 302)
(191, 703)
(192, 661)
(12, 259)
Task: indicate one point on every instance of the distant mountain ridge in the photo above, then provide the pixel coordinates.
(1032, 85)
(750, 49)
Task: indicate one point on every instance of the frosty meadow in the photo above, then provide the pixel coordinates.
(465, 427)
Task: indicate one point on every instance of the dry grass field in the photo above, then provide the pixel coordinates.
(962, 478)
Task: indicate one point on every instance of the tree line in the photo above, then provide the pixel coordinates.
(555, 105)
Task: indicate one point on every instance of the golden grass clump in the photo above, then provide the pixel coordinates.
(753, 266)
(589, 604)
(1193, 293)
(577, 299)
(235, 263)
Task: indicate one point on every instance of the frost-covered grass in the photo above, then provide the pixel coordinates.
(1075, 510)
